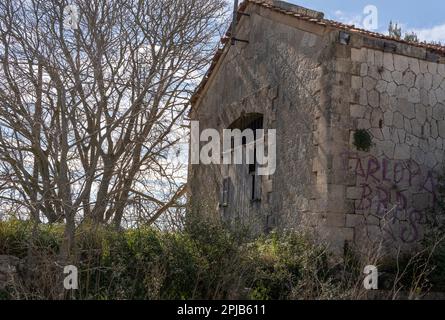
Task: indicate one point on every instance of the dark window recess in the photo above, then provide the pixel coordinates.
(256, 188)
(256, 124)
(253, 122)
(225, 192)
(252, 196)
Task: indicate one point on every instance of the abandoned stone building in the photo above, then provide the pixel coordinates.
(359, 119)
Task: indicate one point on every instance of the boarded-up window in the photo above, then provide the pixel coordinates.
(252, 122)
(225, 192)
(256, 124)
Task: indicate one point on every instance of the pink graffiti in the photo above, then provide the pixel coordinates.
(386, 187)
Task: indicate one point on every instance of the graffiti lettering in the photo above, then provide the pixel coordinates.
(387, 189)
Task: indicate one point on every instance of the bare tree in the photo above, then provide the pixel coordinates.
(92, 95)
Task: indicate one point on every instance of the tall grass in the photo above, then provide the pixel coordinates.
(205, 261)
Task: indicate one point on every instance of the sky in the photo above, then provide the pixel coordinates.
(426, 18)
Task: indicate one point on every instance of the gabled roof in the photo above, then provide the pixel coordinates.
(312, 17)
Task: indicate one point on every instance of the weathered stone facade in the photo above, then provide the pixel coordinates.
(400, 100)
(318, 84)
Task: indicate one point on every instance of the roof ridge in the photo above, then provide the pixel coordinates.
(321, 21)
(339, 25)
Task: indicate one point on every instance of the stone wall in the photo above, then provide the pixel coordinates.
(384, 194)
(318, 93)
(278, 74)
(400, 101)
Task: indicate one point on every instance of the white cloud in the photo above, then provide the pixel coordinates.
(338, 13)
(348, 18)
(436, 33)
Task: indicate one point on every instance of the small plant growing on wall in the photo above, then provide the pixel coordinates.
(362, 140)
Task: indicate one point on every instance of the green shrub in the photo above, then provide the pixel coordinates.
(206, 261)
(17, 237)
(282, 262)
(362, 140)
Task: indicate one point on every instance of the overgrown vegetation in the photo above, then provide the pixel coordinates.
(396, 32)
(435, 235)
(205, 261)
(362, 140)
